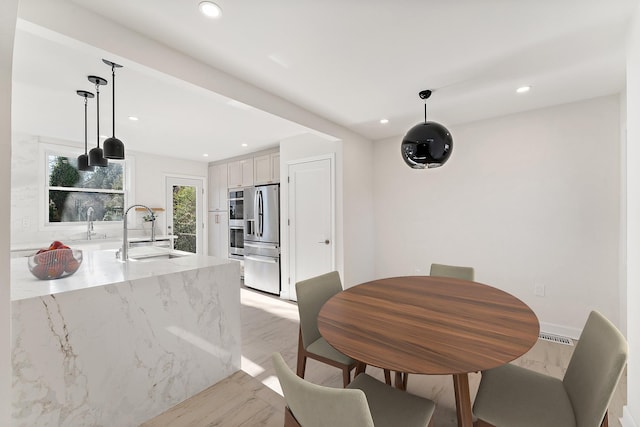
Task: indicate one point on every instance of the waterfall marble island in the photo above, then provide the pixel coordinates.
(118, 342)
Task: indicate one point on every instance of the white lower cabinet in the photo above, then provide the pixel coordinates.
(219, 234)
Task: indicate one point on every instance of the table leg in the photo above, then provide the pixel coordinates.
(360, 368)
(401, 380)
(463, 400)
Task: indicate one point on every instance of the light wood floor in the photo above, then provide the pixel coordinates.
(252, 396)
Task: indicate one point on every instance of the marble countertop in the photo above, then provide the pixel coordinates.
(99, 268)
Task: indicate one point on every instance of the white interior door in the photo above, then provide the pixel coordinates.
(312, 218)
(184, 213)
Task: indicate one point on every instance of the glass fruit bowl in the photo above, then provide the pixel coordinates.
(55, 263)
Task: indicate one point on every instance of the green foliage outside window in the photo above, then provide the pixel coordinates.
(184, 217)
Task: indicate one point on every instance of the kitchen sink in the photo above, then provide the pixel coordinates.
(154, 253)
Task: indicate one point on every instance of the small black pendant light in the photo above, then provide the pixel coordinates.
(83, 159)
(113, 147)
(96, 157)
(428, 144)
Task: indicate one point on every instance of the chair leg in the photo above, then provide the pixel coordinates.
(387, 376)
(346, 376)
(481, 423)
(605, 420)
(302, 358)
(289, 419)
(401, 380)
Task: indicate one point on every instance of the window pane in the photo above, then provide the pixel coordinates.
(71, 206)
(63, 172)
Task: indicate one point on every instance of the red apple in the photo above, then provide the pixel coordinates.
(46, 257)
(55, 270)
(40, 271)
(55, 244)
(72, 265)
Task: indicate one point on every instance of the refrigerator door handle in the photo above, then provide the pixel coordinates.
(256, 210)
(260, 214)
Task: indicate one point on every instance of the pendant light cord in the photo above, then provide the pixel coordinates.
(85, 125)
(98, 113)
(113, 101)
(425, 112)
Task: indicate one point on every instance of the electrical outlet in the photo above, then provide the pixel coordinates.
(539, 290)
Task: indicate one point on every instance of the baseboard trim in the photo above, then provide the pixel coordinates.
(563, 331)
(627, 419)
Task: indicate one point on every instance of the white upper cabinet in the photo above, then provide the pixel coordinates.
(240, 173)
(247, 172)
(267, 168)
(218, 187)
(262, 169)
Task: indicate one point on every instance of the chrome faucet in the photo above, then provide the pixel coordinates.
(90, 212)
(124, 251)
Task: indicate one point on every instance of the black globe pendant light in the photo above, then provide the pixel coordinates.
(83, 159)
(113, 148)
(96, 157)
(428, 144)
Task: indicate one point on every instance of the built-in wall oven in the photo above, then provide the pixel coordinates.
(236, 224)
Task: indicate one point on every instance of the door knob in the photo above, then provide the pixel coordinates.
(326, 242)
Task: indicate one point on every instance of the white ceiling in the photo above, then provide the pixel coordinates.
(352, 62)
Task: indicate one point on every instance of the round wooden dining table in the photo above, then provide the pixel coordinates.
(432, 326)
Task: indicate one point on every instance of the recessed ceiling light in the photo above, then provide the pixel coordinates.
(205, 155)
(133, 118)
(245, 145)
(384, 121)
(210, 9)
(523, 89)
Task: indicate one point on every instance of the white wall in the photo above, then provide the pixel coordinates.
(359, 237)
(148, 179)
(527, 199)
(632, 410)
(8, 13)
(623, 213)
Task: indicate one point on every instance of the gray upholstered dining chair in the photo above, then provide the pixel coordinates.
(455, 271)
(517, 397)
(312, 294)
(366, 402)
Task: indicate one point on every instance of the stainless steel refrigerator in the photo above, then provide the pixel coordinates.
(262, 238)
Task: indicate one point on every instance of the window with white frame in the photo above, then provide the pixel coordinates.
(71, 192)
